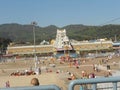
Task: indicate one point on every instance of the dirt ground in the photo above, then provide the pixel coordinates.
(53, 66)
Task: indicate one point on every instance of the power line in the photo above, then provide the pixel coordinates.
(110, 21)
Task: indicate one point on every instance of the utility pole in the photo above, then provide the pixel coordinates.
(34, 38)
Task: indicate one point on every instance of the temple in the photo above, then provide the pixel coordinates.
(62, 46)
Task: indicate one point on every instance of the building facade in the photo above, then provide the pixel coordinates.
(63, 44)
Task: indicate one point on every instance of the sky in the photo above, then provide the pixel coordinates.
(60, 12)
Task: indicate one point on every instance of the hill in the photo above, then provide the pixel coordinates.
(24, 33)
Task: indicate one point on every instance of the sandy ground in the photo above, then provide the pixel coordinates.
(48, 78)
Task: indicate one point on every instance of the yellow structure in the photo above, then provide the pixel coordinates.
(83, 46)
(20, 50)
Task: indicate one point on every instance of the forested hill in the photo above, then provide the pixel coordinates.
(24, 33)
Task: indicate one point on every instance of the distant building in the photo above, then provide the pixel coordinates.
(44, 43)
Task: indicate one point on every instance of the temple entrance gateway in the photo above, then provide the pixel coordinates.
(63, 46)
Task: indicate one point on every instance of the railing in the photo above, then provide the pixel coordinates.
(94, 83)
(41, 87)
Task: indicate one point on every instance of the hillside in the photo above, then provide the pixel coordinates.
(24, 33)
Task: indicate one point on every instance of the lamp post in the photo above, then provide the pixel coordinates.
(34, 38)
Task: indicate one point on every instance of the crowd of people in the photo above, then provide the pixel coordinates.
(23, 73)
(72, 75)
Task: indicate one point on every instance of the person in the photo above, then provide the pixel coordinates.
(35, 82)
(73, 77)
(7, 84)
(38, 71)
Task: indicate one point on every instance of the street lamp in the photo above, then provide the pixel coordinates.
(35, 57)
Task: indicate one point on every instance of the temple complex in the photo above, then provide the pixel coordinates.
(62, 46)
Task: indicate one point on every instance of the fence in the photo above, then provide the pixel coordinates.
(95, 82)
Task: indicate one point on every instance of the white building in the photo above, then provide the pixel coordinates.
(62, 41)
